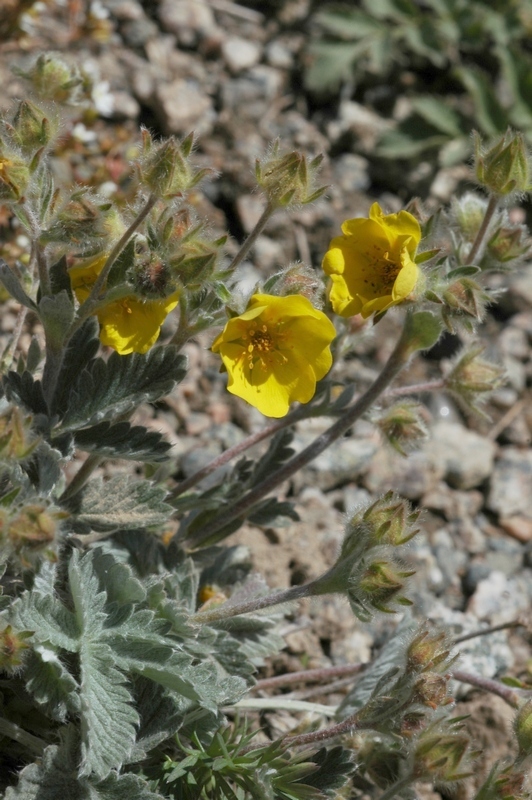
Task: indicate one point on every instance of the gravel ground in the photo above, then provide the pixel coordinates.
(233, 73)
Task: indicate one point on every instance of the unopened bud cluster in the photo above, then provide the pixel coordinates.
(289, 179)
(403, 426)
(368, 570)
(472, 378)
(165, 167)
(505, 167)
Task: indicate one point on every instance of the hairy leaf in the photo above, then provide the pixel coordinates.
(25, 391)
(51, 684)
(13, 286)
(106, 390)
(57, 314)
(48, 618)
(121, 503)
(123, 440)
(80, 351)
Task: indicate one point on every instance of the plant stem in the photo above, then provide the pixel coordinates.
(306, 676)
(33, 743)
(228, 609)
(81, 477)
(320, 689)
(255, 233)
(277, 703)
(7, 355)
(94, 299)
(236, 450)
(479, 239)
(398, 786)
(485, 631)
(391, 369)
(489, 685)
(417, 388)
(349, 724)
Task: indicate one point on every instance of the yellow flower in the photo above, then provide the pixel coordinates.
(276, 351)
(129, 325)
(372, 264)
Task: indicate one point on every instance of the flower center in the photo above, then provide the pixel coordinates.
(261, 345)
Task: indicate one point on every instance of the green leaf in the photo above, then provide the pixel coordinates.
(124, 787)
(80, 351)
(462, 272)
(57, 315)
(422, 330)
(331, 63)
(411, 138)
(122, 503)
(273, 513)
(122, 440)
(439, 114)
(13, 286)
(121, 265)
(43, 468)
(108, 389)
(25, 391)
(278, 452)
(517, 70)
(51, 622)
(489, 114)
(51, 685)
(59, 278)
(109, 719)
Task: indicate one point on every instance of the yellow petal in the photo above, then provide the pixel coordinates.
(406, 280)
(132, 325)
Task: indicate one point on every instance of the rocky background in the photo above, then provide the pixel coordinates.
(233, 72)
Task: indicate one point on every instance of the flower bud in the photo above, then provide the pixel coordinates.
(381, 763)
(438, 756)
(289, 178)
(85, 221)
(391, 520)
(13, 647)
(471, 378)
(30, 128)
(523, 729)
(428, 650)
(431, 690)
(380, 585)
(14, 177)
(508, 243)
(505, 167)
(53, 79)
(466, 296)
(468, 212)
(16, 438)
(33, 527)
(165, 168)
(297, 279)
(403, 427)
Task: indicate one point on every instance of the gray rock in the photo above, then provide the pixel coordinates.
(183, 106)
(514, 342)
(411, 477)
(511, 483)
(476, 572)
(279, 55)
(251, 94)
(351, 173)
(467, 457)
(498, 598)
(339, 464)
(240, 54)
(519, 296)
(504, 555)
(187, 19)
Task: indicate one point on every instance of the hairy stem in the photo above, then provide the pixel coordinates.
(229, 609)
(236, 450)
(349, 724)
(9, 352)
(94, 299)
(255, 233)
(277, 703)
(306, 676)
(492, 629)
(479, 239)
(81, 477)
(391, 369)
(417, 388)
(398, 786)
(33, 743)
(489, 685)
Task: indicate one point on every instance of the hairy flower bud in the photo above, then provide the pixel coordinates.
(505, 167)
(428, 650)
(12, 648)
(391, 520)
(52, 78)
(16, 438)
(466, 296)
(471, 378)
(165, 167)
(523, 729)
(30, 128)
(438, 756)
(508, 243)
(403, 426)
(380, 585)
(468, 213)
(431, 690)
(14, 177)
(289, 178)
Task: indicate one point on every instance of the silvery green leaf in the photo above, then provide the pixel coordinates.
(123, 440)
(121, 503)
(106, 390)
(57, 315)
(51, 685)
(13, 286)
